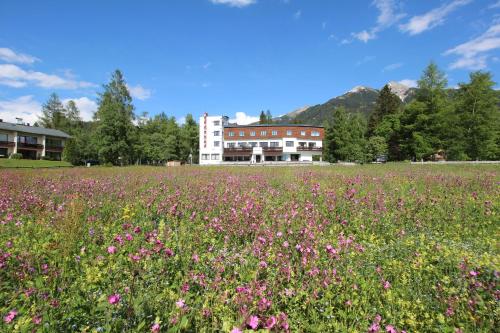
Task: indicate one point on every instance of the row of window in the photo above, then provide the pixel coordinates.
(265, 144)
(273, 133)
(206, 157)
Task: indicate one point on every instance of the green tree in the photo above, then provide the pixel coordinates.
(53, 113)
(387, 104)
(376, 146)
(115, 135)
(72, 112)
(262, 117)
(423, 121)
(269, 117)
(476, 120)
(189, 140)
(344, 137)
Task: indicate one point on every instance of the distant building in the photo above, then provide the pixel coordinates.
(221, 142)
(30, 141)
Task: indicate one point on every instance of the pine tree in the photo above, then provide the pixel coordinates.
(387, 103)
(72, 112)
(423, 121)
(53, 113)
(189, 144)
(115, 130)
(269, 117)
(262, 118)
(344, 137)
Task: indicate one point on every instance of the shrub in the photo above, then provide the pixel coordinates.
(16, 156)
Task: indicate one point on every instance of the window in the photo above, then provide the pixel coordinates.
(231, 133)
(216, 143)
(27, 139)
(275, 144)
(252, 133)
(253, 144)
(216, 133)
(215, 156)
(231, 145)
(204, 156)
(263, 144)
(242, 144)
(53, 142)
(4, 137)
(274, 133)
(289, 132)
(303, 133)
(242, 133)
(289, 143)
(314, 133)
(302, 144)
(216, 123)
(263, 133)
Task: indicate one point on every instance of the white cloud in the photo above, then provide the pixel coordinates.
(431, 19)
(392, 67)
(207, 65)
(139, 92)
(24, 107)
(9, 55)
(14, 76)
(472, 54)
(86, 106)
(234, 3)
(388, 16)
(297, 14)
(241, 118)
(409, 83)
(365, 60)
(495, 5)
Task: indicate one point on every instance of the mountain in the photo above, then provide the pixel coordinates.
(360, 99)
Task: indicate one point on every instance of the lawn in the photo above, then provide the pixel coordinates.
(380, 248)
(13, 163)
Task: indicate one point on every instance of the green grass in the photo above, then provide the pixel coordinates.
(11, 163)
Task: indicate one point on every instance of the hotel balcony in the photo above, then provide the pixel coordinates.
(6, 144)
(54, 148)
(21, 145)
(238, 151)
(306, 148)
(272, 151)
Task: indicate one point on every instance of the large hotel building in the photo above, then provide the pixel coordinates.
(222, 142)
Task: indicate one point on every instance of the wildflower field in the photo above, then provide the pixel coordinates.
(387, 248)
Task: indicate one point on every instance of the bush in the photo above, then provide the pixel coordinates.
(16, 156)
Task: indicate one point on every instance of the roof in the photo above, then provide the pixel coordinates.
(33, 130)
(271, 125)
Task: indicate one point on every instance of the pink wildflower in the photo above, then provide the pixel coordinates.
(114, 299)
(155, 328)
(10, 316)
(180, 303)
(390, 329)
(387, 284)
(473, 273)
(253, 322)
(129, 237)
(270, 322)
(111, 249)
(236, 330)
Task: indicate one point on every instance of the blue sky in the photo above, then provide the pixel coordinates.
(234, 57)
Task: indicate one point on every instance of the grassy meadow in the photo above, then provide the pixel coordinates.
(378, 248)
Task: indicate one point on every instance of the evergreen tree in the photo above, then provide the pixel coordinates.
(344, 137)
(376, 146)
(72, 113)
(387, 104)
(189, 144)
(262, 118)
(269, 117)
(53, 113)
(115, 130)
(423, 122)
(476, 119)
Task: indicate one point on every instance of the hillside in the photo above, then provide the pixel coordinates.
(359, 99)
